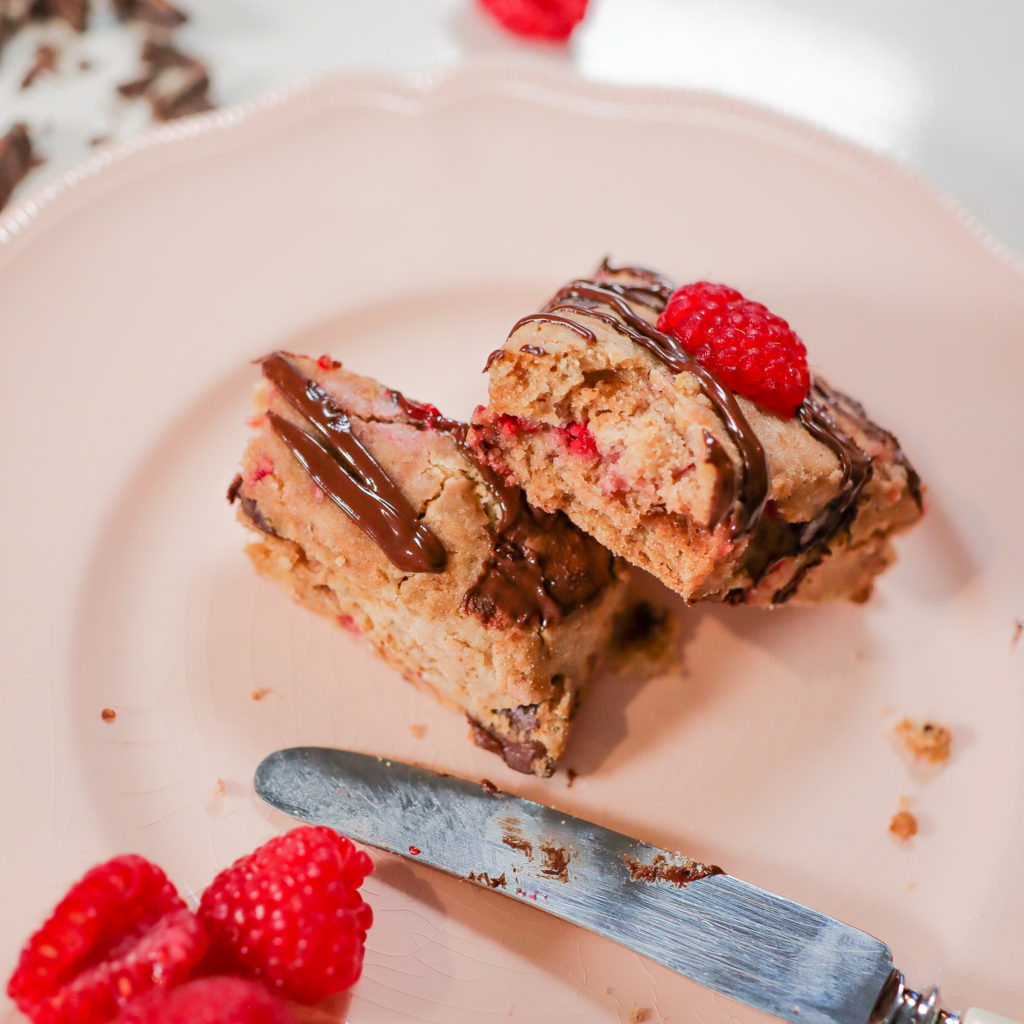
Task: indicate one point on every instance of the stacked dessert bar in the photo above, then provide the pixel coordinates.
(628, 421)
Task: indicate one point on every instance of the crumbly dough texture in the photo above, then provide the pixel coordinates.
(521, 684)
(649, 493)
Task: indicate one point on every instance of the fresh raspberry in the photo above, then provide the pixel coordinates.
(119, 932)
(749, 348)
(209, 1001)
(290, 913)
(538, 19)
(577, 440)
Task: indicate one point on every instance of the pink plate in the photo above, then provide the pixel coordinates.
(403, 227)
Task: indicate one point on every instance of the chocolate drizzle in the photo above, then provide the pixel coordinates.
(855, 465)
(852, 408)
(584, 297)
(724, 495)
(541, 567)
(348, 473)
(816, 535)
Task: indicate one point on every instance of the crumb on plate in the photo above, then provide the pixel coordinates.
(927, 741)
(108, 714)
(903, 825)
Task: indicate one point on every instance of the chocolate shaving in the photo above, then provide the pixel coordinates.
(16, 160)
(158, 13)
(175, 83)
(179, 93)
(74, 12)
(45, 63)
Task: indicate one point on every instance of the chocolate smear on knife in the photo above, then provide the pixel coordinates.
(555, 861)
(482, 878)
(661, 869)
(348, 473)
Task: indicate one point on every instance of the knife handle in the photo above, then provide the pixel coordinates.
(977, 1016)
(900, 1005)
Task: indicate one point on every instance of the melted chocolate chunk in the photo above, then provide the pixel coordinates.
(533, 350)
(348, 473)
(519, 756)
(541, 567)
(252, 512)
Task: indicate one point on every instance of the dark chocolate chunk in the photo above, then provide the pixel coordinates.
(16, 160)
(541, 567)
(180, 92)
(519, 757)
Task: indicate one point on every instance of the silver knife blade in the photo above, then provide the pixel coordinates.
(744, 942)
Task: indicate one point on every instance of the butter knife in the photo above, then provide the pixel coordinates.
(741, 941)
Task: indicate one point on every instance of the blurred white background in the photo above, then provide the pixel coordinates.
(936, 84)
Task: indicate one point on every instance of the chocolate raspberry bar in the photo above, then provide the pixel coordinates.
(683, 429)
(373, 510)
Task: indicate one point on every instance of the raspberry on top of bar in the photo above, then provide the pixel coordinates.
(682, 428)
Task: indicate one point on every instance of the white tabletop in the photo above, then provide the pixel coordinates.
(934, 83)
